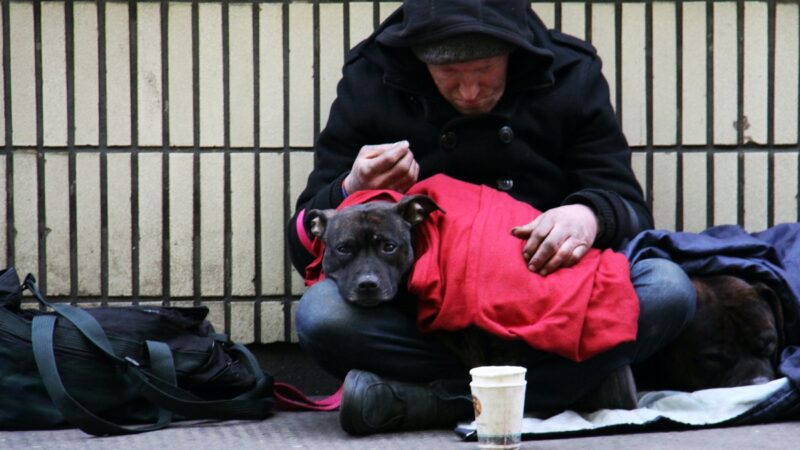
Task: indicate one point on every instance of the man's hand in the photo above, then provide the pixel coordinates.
(558, 238)
(383, 166)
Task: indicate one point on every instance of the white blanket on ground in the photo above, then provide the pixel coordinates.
(693, 409)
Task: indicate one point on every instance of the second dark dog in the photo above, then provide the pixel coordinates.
(734, 339)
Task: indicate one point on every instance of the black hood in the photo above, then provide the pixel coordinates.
(426, 21)
(418, 21)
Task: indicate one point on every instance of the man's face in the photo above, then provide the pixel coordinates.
(472, 87)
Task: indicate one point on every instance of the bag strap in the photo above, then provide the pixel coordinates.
(263, 381)
(289, 398)
(159, 386)
(72, 410)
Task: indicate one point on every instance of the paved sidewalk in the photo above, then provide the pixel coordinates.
(318, 430)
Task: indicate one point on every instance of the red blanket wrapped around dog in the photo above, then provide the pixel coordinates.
(469, 271)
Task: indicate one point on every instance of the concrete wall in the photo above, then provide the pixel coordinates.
(153, 150)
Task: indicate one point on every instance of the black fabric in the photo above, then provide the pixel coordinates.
(114, 363)
(566, 137)
(428, 21)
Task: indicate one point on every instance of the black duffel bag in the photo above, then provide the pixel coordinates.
(118, 370)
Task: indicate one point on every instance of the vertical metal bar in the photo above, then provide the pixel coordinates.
(376, 13)
(69, 27)
(196, 223)
(679, 222)
(226, 111)
(165, 156)
(740, 124)
(134, 69)
(103, 144)
(648, 51)
(740, 119)
(740, 187)
(346, 25)
(710, 113)
(287, 206)
(9, 136)
(618, 59)
(557, 13)
(588, 21)
(316, 67)
(40, 161)
(258, 281)
(771, 12)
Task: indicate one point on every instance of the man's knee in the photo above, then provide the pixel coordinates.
(667, 302)
(322, 314)
(663, 286)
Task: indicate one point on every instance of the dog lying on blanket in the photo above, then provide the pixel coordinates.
(466, 271)
(734, 339)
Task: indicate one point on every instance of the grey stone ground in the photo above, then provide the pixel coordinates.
(315, 430)
(320, 430)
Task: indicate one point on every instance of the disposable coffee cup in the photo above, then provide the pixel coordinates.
(498, 396)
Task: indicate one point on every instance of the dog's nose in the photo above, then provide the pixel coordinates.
(760, 380)
(368, 282)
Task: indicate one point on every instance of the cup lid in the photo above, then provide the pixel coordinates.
(497, 371)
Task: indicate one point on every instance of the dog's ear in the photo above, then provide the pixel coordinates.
(774, 302)
(416, 208)
(317, 219)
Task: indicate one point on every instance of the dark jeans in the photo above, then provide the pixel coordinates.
(385, 340)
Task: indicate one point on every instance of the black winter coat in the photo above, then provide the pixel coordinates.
(552, 139)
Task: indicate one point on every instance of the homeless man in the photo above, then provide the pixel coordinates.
(482, 92)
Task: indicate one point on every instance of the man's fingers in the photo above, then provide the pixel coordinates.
(404, 164)
(524, 231)
(540, 230)
(544, 251)
(372, 151)
(376, 167)
(568, 254)
(399, 177)
(415, 172)
(384, 160)
(411, 177)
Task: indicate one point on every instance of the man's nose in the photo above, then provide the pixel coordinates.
(468, 90)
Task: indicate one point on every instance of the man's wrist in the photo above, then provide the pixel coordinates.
(603, 213)
(347, 187)
(594, 216)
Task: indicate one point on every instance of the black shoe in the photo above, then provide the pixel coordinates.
(374, 405)
(617, 391)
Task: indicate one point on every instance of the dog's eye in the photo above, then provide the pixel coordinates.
(716, 361)
(344, 250)
(389, 247)
(768, 348)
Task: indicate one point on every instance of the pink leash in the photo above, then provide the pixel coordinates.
(289, 398)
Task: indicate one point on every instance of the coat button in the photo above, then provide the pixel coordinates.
(505, 184)
(448, 140)
(506, 134)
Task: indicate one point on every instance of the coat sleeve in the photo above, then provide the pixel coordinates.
(599, 159)
(334, 152)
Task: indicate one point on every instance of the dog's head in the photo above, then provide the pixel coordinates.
(368, 247)
(734, 339)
